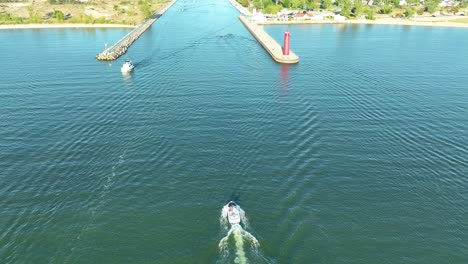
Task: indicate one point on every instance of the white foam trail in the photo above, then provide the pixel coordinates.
(240, 236)
(239, 245)
(223, 220)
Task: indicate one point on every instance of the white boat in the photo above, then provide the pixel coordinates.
(127, 66)
(233, 214)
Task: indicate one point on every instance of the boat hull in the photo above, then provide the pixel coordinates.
(233, 213)
(127, 68)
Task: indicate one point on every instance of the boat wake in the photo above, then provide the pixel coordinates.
(238, 240)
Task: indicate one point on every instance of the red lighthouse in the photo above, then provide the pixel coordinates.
(286, 43)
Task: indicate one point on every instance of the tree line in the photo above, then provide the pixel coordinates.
(354, 8)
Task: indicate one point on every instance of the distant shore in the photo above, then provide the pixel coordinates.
(416, 21)
(45, 26)
(379, 21)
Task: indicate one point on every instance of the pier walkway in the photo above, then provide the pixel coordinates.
(121, 46)
(270, 45)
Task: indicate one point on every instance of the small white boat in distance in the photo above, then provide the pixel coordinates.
(233, 214)
(127, 66)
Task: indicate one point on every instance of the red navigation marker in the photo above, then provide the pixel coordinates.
(286, 43)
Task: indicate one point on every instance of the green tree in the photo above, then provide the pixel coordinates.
(409, 12)
(412, 2)
(326, 4)
(272, 9)
(346, 7)
(313, 4)
(244, 3)
(58, 15)
(358, 7)
(297, 3)
(432, 5)
(370, 13)
(386, 9)
(266, 3)
(258, 4)
(382, 2)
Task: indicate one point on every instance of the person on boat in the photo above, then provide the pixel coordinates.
(232, 209)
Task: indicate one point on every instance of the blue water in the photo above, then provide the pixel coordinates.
(358, 154)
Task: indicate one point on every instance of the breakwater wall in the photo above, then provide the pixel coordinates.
(268, 43)
(121, 46)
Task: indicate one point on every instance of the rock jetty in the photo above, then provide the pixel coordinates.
(121, 46)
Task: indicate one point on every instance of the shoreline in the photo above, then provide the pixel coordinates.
(381, 21)
(378, 21)
(52, 26)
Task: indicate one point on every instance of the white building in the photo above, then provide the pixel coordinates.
(339, 18)
(257, 16)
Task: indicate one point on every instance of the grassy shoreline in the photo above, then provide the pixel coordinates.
(76, 25)
(111, 12)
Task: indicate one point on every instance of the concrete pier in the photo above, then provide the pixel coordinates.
(270, 45)
(121, 46)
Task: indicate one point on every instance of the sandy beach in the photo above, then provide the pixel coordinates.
(36, 26)
(380, 21)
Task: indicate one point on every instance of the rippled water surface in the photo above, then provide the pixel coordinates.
(358, 154)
